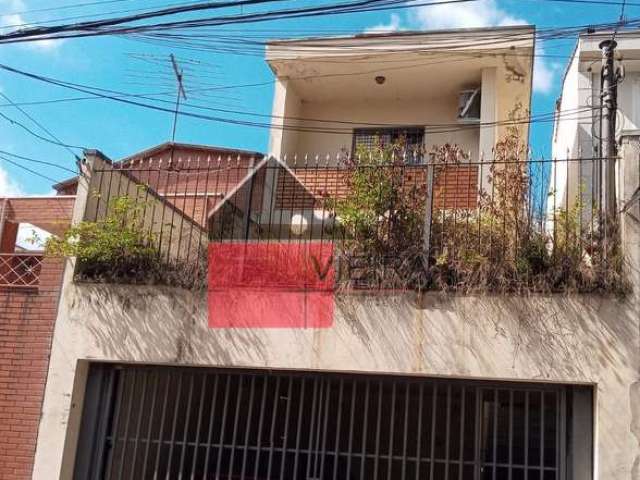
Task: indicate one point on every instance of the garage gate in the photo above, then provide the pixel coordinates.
(193, 423)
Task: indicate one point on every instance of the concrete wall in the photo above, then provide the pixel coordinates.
(583, 339)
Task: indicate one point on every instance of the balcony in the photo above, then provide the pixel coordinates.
(374, 223)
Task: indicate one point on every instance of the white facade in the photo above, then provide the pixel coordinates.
(577, 126)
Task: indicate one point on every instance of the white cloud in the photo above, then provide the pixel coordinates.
(544, 73)
(392, 26)
(481, 13)
(14, 20)
(8, 187)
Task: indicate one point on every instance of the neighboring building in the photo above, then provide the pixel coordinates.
(577, 127)
(30, 285)
(147, 381)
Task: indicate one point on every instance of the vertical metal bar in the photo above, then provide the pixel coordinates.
(98, 455)
(263, 400)
(526, 434)
(561, 425)
(432, 450)
(419, 443)
(463, 400)
(392, 429)
(247, 431)
(162, 422)
(312, 427)
(351, 415)
(141, 410)
(478, 440)
(174, 425)
(299, 427)
(541, 432)
(495, 431)
(338, 428)
(260, 425)
(125, 439)
(223, 424)
(185, 436)
(150, 425)
(318, 427)
(116, 420)
(286, 428)
(236, 417)
(378, 421)
(447, 446)
(365, 424)
(510, 434)
(324, 428)
(214, 397)
(196, 442)
(406, 428)
(273, 426)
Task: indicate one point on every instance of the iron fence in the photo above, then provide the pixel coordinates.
(438, 224)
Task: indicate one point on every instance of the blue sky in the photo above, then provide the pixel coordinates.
(120, 130)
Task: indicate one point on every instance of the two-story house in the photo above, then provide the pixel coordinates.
(343, 331)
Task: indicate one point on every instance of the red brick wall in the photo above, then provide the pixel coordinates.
(27, 318)
(456, 186)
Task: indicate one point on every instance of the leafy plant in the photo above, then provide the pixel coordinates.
(115, 247)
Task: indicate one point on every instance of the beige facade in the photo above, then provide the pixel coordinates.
(327, 88)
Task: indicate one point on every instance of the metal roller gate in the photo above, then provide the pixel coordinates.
(193, 423)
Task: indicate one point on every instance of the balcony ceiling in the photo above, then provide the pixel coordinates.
(406, 78)
(415, 65)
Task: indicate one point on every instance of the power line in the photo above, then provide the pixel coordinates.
(98, 27)
(33, 172)
(40, 162)
(31, 132)
(435, 128)
(42, 127)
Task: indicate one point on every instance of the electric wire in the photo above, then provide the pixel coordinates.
(40, 125)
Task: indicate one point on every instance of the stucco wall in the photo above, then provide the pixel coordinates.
(552, 339)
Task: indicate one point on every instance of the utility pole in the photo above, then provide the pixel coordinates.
(608, 149)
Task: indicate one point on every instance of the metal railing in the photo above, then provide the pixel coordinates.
(439, 224)
(20, 270)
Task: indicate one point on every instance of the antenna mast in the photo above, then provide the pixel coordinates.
(181, 93)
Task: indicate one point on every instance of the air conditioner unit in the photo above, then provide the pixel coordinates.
(469, 106)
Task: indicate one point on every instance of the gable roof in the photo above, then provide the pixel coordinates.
(158, 150)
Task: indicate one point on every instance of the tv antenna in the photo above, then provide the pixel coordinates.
(181, 93)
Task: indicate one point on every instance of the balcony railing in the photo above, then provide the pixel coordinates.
(20, 270)
(462, 225)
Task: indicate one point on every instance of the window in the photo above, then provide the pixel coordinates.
(413, 136)
(167, 422)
